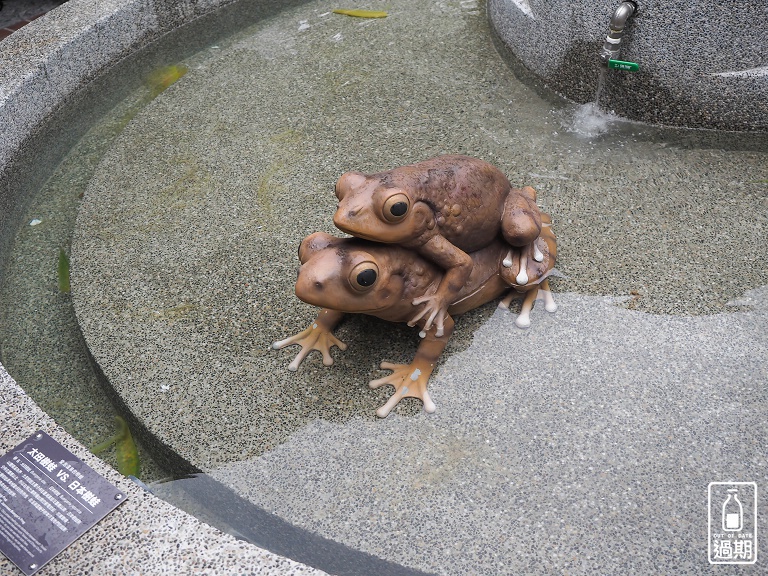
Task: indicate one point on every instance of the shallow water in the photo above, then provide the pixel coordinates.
(544, 439)
(41, 344)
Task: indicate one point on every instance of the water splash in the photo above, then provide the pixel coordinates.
(589, 120)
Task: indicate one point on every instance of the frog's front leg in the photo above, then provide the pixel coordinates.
(521, 225)
(319, 336)
(410, 380)
(458, 266)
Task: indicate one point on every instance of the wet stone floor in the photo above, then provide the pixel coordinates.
(584, 444)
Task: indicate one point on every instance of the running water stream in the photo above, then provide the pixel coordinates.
(589, 120)
(600, 86)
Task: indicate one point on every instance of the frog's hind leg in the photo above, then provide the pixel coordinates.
(507, 300)
(523, 319)
(542, 291)
(549, 302)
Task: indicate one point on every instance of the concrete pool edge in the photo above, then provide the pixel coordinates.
(42, 66)
(144, 535)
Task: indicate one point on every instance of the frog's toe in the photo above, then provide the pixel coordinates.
(278, 344)
(429, 406)
(507, 300)
(508, 260)
(523, 320)
(403, 391)
(383, 411)
(379, 382)
(294, 365)
(313, 338)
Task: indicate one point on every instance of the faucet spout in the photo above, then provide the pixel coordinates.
(619, 19)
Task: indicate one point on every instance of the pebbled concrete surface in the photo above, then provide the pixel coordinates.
(584, 445)
(702, 64)
(144, 535)
(563, 448)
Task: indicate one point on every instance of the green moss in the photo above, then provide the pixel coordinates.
(63, 271)
(161, 79)
(126, 453)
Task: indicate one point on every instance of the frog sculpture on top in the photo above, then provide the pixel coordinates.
(431, 240)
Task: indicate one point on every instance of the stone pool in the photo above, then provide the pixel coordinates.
(583, 444)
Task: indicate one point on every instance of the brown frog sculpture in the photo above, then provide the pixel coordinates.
(443, 208)
(352, 275)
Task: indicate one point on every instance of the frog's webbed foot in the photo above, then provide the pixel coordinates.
(409, 380)
(318, 336)
(435, 309)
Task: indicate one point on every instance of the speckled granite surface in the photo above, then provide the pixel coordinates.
(702, 63)
(144, 535)
(557, 449)
(42, 65)
(16, 10)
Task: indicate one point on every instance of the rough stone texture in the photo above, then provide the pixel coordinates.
(15, 11)
(56, 54)
(41, 65)
(582, 446)
(565, 448)
(647, 431)
(144, 535)
(702, 64)
(50, 60)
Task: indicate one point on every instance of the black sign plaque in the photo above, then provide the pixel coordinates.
(48, 499)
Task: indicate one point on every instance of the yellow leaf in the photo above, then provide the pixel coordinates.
(362, 13)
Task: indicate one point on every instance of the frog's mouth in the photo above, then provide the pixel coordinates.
(356, 231)
(379, 236)
(357, 234)
(338, 305)
(365, 227)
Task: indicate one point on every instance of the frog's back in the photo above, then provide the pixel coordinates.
(466, 194)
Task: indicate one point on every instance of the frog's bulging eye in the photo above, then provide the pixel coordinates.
(396, 207)
(363, 276)
(367, 277)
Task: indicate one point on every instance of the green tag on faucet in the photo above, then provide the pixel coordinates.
(621, 65)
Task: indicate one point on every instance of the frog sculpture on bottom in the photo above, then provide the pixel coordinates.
(384, 275)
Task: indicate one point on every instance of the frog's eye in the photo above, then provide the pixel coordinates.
(396, 207)
(363, 276)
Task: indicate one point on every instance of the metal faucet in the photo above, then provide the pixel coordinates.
(619, 19)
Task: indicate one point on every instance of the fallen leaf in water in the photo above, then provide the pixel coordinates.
(160, 79)
(362, 13)
(63, 271)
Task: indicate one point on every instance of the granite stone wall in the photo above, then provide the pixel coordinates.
(703, 63)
